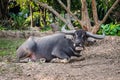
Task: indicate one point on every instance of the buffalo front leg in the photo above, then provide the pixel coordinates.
(58, 60)
(61, 57)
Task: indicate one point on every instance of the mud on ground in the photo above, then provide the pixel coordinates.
(102, 62)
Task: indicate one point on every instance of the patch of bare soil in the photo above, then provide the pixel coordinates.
(102, 62)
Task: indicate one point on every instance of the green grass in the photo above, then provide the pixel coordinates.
(8, 46)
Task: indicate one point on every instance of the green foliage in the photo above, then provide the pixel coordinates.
(18, 21)
(23, 2)
(2, 27)
(45, 18)
(35, 16)
(46, 28)
(8, 46)
(102, 7)
(110, 29)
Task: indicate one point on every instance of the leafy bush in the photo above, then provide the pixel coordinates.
(18, 21)
(2, 27)
(110, 29)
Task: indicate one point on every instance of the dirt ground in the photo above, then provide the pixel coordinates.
(102, 62)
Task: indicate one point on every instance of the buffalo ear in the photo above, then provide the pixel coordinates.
(75, 33)
(84, 36)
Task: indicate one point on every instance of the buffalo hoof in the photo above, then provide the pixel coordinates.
(57, 60)
(41, 60)
(22, 61)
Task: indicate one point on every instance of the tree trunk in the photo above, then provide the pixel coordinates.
(85, 20)
(44, 17)
(85, 16)
(0, 11)
(55, 12)
(31, 14)
(68, 18)
(3, 9)
(68, 11)
(98, 22)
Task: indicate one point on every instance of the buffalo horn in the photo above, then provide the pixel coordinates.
(67, 31)
(95, 35)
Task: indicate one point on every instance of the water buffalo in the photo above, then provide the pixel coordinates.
(55, 46)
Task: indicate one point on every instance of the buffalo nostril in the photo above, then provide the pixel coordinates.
(94, 40)
(80, 45)
(77, 44)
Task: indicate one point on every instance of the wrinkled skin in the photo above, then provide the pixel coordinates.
(49, 47)
(27, 49)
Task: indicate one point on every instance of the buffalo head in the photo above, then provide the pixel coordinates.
(81, 36)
